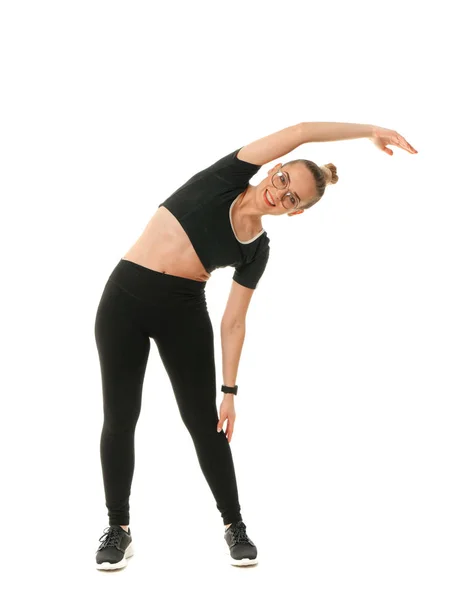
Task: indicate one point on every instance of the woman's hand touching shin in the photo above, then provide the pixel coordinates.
(227, 413)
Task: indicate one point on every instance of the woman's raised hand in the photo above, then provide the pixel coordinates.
(381, 137)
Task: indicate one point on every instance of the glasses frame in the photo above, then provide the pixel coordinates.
(288, 193)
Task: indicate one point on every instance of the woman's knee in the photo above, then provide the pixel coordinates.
(200, 423)
(121, 413)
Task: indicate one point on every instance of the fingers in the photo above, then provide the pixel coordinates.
(230, 424)
(229, 428)
(400, 141)
(229, 431)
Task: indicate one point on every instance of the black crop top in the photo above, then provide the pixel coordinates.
(203, 205)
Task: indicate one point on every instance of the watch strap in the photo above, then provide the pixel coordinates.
(230, 390)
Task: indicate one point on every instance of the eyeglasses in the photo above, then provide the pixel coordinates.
(281, 180)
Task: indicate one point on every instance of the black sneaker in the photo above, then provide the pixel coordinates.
(115, 548)
(243, 551)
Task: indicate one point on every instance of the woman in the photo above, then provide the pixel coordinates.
(157, 292)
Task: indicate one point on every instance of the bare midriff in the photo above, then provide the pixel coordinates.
(164, 246)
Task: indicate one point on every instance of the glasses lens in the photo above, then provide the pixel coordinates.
(279, 181)
(288, 201)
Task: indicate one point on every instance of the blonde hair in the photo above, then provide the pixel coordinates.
(330, 173)
(323, 175)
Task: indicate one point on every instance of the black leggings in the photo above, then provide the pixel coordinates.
(138, 304)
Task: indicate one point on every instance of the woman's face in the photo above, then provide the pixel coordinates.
(299, 182)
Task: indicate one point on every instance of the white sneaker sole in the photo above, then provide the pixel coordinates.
(106, 566)
(244, 562)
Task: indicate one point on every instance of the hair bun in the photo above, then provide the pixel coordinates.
(330, 172)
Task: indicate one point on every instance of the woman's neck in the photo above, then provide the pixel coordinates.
(246, 206)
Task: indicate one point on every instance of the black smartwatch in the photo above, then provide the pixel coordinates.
(230, 390)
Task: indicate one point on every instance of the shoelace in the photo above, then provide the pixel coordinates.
(110, 537)
(239, 532)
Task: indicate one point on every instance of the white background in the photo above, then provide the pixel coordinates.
(341, 444)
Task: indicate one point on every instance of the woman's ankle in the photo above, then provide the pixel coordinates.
(125, 527)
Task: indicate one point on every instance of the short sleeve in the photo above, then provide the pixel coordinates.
(249, 274)
(233, 170)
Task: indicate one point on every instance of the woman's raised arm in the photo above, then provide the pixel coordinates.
(272, 146)
(282, 142)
